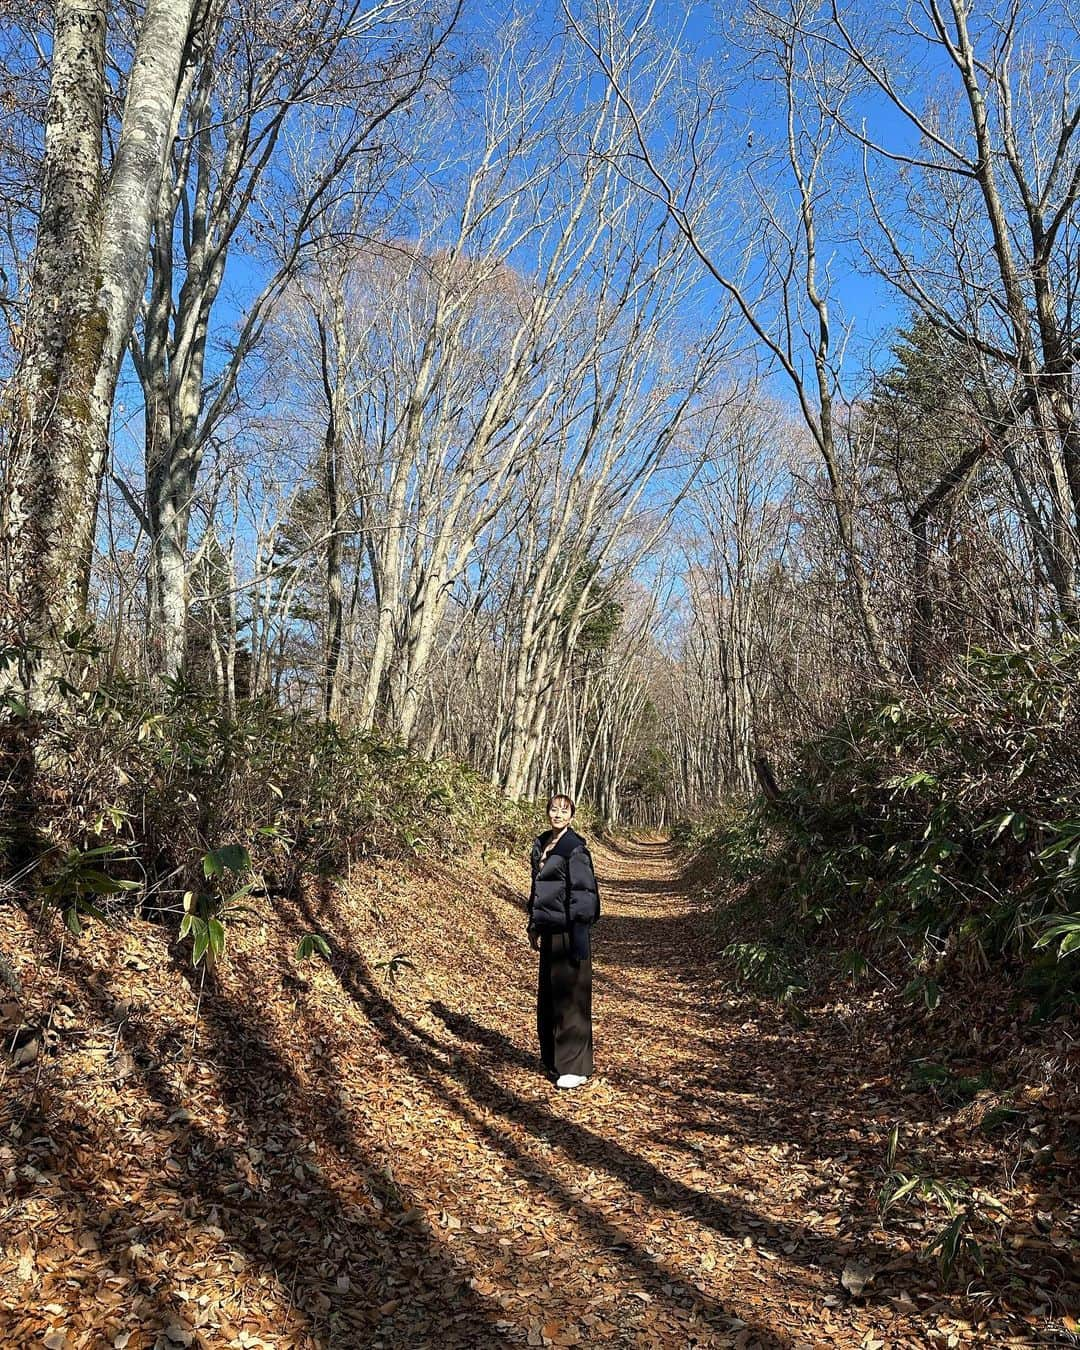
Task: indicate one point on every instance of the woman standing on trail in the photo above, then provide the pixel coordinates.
(564, 903)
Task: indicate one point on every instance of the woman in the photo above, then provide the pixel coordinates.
(564, 903)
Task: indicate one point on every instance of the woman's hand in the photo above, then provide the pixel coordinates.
(579, 941)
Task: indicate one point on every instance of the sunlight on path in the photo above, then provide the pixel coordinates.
(672, 1201)
(353, 1157)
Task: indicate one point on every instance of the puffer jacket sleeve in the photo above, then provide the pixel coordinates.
(534, 867)
(584, 893)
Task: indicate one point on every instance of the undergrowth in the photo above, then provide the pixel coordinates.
(929, 846)
(134, 795)
(939, 831)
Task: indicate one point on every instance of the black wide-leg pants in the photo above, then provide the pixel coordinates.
(564, 1007)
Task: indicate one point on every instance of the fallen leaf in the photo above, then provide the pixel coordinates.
(856, 1276)
(25, 1046)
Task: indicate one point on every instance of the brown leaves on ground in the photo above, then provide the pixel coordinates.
(364, 1153)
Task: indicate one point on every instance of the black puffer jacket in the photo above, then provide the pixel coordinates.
(564, 890)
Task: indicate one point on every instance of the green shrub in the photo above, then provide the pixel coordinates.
(734, 839)
(943, 824)
(134, 792)
(964, 1220)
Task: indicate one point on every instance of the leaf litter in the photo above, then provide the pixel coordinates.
(361, 1151)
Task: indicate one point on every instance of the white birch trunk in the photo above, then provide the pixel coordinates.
(88, 276)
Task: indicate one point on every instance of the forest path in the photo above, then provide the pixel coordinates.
(364, 1152)
(701, 1189)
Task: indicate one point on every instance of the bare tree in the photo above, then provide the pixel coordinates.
(87, 278)
(472, 382)
(738, 524)
(328, 74)
(24, 90)
(973, 212)
(788, 312)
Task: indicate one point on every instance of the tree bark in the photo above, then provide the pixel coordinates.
(87, 278)
(333, 381)
(52, 412)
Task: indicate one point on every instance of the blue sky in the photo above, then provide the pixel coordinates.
(713, 44)
(710, 39)
(747, 124)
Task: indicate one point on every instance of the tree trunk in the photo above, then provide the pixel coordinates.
(331, 365)
(53, 424)
(87, 278)
(334, 589)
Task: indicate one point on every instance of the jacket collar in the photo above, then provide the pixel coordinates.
(566, 845)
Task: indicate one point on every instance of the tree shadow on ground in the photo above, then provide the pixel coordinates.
(435, 1061)
(735, 1121)
(636, 849)
(465, 1088)
(96, 1213)
(737, 1084)
(743, 1124)
(446, 1076)
(629, 941)
(662, 888)
(331, 1264)
(759, 1047)
(605, 980)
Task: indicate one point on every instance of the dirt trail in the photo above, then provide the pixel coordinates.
(364, 1152)
(699, 1191)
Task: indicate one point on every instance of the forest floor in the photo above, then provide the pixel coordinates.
(364, 1152)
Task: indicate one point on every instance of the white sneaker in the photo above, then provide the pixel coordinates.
(571, 1080)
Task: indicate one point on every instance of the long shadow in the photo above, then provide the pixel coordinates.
(91, 1213)
(607, 965)
(502, 1050)
(604, 981)
(451, 1078)
(655, 943)
(727, 1083)
(331, 1261)
(637, 886)
(822, 1049)
(828, 1141)
(416, 1046)
(283, 1230)
(579, 1143)
(756, 1058)
(647, 848)
(438, 1064)
(718, 1097)
(737, 1122)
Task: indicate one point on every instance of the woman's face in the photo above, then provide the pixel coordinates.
(559, 815)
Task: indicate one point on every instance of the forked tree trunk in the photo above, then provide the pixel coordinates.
(87, 277)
